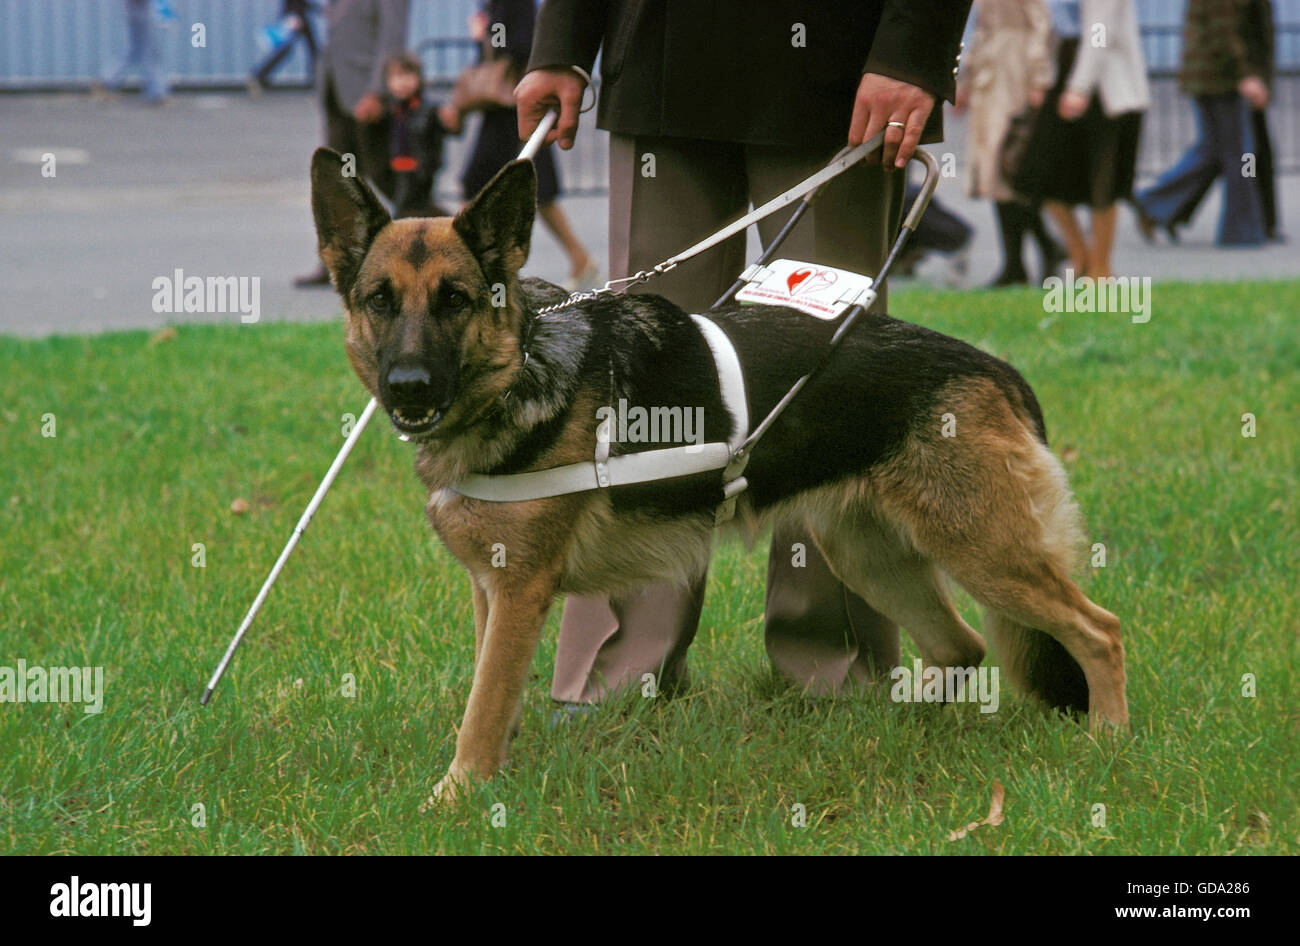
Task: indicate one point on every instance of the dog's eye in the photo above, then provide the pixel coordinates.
(456, 299)
(379, 301)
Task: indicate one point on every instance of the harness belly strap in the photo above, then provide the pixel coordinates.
(604, 471)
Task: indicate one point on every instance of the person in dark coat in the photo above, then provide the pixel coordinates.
(712, 107)
(360, 36)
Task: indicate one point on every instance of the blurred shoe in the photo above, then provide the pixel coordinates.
(584, 279)
(320, 279)
(1146, 225)
(958, 267)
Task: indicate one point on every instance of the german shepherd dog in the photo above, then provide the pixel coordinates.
(441, 329)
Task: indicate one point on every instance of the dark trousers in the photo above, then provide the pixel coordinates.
(1224, 136)
(1266, 174)
(369, 142)
(818, 635)
(262, 72)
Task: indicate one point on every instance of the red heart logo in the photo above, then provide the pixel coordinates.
(798, 276)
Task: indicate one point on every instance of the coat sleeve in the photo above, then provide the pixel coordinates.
(1222, 27)
(1042, 65)
(1099, 28)
(392, 40)
(918, 41)
(569, 33)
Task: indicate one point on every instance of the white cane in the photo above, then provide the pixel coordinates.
(530, 150)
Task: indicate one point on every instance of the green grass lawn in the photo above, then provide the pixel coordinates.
(155, 441)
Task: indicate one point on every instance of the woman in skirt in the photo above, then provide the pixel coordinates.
(1007, 70)
(1084, 147)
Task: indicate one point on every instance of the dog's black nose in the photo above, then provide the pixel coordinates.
(410, 385)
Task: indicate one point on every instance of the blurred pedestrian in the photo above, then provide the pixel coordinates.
(144, 51)
(1083, 151)
(1225, 77)
(1257, 31)
(294, 24)
(360, 36)
(1008, 70)
(504, 31)
(415, 139)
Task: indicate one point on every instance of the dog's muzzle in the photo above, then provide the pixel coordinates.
(412, 401)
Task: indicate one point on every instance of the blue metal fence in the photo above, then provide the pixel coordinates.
(67, 44)
(57, 44)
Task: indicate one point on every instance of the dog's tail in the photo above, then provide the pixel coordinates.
(1037, 663)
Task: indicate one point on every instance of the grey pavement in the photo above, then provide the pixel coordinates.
(216, 185)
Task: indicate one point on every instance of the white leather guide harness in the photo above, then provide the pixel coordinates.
(604, 471)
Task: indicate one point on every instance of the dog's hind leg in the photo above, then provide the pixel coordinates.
(878, 565)
(1052, 641)
(992, 508)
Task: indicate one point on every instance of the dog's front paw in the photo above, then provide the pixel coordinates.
(448, 790)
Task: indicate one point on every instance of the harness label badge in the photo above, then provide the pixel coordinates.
(820, 291)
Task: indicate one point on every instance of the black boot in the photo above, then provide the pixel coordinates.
(1011, 225)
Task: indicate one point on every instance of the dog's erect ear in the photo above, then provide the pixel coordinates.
(497, 225)
(348, 217)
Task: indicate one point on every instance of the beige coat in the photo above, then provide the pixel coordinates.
(1010, 54)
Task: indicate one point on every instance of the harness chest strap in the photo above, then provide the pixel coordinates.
(604, 471)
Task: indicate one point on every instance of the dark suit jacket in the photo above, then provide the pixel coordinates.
(730, 70)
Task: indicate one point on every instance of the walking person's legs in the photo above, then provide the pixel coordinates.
(1076, 244)
(582, 267)
(1011, 228)
(262, 72)
(1102, 239)
(1241, 222)
(137, 21)
(155, 86)
(341, 134)
(697, 187)
(1173, 198)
